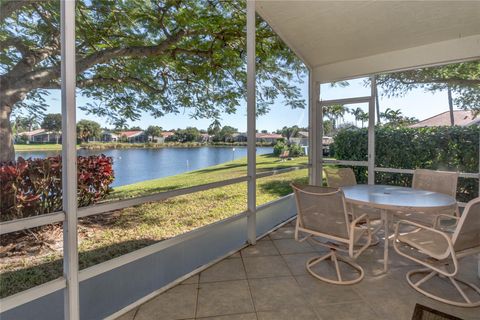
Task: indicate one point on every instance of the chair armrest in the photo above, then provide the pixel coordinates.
(440, 217)
(353, 224)
(363, 217)
(450, 250)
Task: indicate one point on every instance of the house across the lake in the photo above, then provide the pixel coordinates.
(300, 139)
(268, 137)
(124, 136)
(36, 136)
(461, 118)
(260, 137)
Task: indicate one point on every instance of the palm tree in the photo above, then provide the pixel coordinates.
(335, 112)
(363, 117)
(392, 116)
(357, 114)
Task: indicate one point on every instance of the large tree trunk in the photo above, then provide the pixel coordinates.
(7, 152)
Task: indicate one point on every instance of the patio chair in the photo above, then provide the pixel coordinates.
(322, 215)
(344, 177)
(437, 181)
(340, 177)
(284, 155)
(440, 251)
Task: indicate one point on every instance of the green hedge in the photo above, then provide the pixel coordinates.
(438, 148)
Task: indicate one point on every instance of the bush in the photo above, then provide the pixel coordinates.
(296, 150)
(34, 186)
(279, 147)
(437, 148)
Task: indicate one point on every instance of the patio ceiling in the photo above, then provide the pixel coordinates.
(346, 39)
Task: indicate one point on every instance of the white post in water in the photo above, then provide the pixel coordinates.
(69, 161)
(251, 118)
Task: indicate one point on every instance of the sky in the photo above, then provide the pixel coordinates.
(417, 103)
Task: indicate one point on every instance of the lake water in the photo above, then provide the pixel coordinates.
(135, 165)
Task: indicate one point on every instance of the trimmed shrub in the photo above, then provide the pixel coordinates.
(279, 147)
(34, 186)
(296, 150)
(437, 148)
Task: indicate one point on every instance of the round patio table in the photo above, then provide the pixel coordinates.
(390, 199)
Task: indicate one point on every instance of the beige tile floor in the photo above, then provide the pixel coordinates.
(268, 281)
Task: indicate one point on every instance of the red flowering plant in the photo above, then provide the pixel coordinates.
(30, 187)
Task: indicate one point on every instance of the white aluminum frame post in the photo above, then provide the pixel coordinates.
(69, 161)
(371, 131)
(316, 131)
(251, 126)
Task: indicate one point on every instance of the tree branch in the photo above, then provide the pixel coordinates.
(8, 7)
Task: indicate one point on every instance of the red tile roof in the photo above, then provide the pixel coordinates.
(461, 118)
(130, 134)
(268, 136)
(32, 133)
(167, 134)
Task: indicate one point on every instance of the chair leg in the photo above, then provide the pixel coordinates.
(454, 281)
(333, 256)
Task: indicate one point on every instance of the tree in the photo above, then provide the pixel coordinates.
(226, 134)
(396, 118)
(53, 122)
(357, 113)
(189, 134)
(364, 117)
(327, 127)
(334, 113)
(28, 123)
(153, 131)
(156, 57)
(289, 132)
(460, 79)
(214, 128)
(88, 129)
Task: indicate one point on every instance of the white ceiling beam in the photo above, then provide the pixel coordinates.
(444, 52)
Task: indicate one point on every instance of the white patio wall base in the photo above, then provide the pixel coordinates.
(114, 290)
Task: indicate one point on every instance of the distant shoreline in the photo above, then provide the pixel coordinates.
(120, 145)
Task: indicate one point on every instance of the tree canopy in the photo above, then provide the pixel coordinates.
(153, 131)
(463, 79)
(142, 57)
(189, 134)
(88, 129)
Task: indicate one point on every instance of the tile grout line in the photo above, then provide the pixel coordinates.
(198, 294)
(135, 313)
(309, 304)
(248, 284)
(300, 287)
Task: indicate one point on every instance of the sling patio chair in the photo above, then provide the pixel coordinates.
(323, 218)
(345, 177)
(440, 251)
(284, 155)
(340, 177)
(436, 181)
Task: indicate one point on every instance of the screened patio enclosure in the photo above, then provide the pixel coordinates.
(372, 37)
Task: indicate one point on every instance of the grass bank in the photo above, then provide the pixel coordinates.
(110, 235)
(38, 147)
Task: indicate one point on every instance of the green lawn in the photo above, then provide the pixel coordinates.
(38, 147)
(110, 235)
